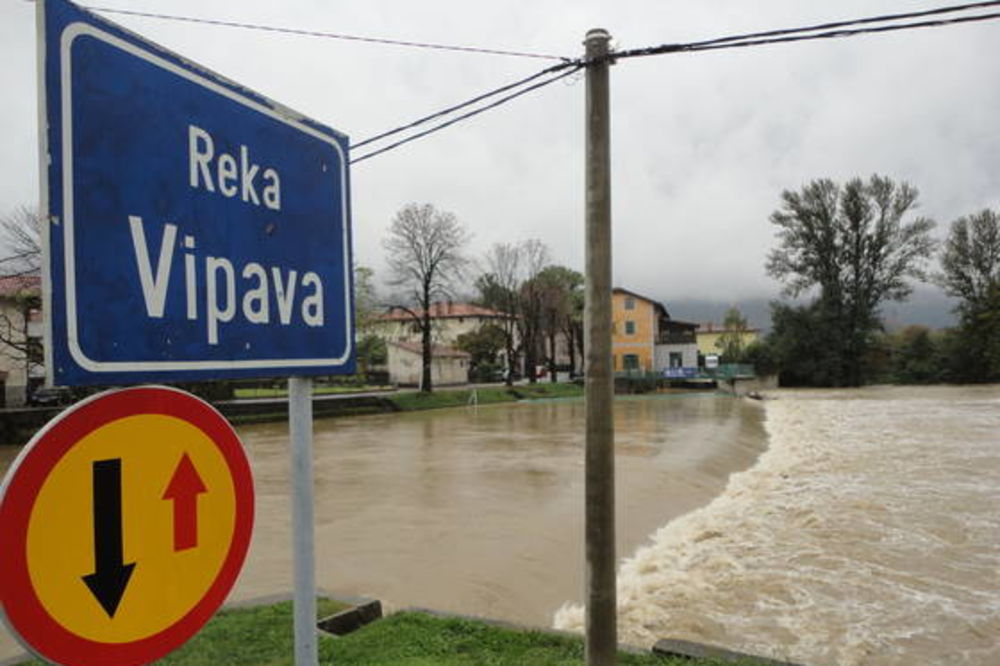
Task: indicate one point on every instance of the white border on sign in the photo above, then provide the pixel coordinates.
(69, 262)
(45, 217)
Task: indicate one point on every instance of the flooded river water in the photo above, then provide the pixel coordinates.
(868, 533)
(848, 527)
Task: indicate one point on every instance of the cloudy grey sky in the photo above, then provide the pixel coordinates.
(702, 143)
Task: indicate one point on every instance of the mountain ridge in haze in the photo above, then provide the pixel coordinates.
(927, 307)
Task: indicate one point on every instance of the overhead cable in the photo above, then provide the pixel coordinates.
(503, 100)
(470, 102)
(830, 31)
(331, 35)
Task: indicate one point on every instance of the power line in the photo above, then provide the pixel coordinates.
(331, 35)
(844, 24)
(470, 102)
(829, 30)
(832, 30)
(470, 114)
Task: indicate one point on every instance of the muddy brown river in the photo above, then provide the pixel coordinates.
(480, 510)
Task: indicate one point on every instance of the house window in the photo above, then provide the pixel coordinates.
(631, 361)
(629, 328)
(676, 359)
(630, 303)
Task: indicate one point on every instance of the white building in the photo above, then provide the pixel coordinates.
(448, 366)
(20, 327)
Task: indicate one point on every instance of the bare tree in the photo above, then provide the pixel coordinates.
(425, 256)
(20, 261)
(970, 260)
(20, 242)
(370, 346)
(560, 287)
(535, 255)
(498, 288)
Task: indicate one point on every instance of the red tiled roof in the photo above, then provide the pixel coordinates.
(437, 351)
(13, 285)
(444, 311)
(656, 304)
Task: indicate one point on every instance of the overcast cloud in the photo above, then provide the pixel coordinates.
(702, 143)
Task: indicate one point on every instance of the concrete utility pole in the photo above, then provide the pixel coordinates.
(602, 612)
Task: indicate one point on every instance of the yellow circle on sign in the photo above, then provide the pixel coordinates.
(167, 581)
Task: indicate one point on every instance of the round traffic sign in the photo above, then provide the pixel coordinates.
(123, 526)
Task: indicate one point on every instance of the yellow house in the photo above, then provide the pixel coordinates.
(710, 337)
(644, 338)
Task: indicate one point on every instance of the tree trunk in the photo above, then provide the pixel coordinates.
(510, 360)
(426, 383)
(571, 347)
(552, 355)
(530, 357)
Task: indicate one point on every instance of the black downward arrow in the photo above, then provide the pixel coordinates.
(111, 575)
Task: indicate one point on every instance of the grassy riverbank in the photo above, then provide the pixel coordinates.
(446, 397)
(262, 635)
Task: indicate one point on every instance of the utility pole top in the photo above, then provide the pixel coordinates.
(597, 33)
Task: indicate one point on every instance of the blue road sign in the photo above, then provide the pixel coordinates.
(196, 229)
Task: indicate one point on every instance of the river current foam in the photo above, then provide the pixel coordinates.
(867, 533)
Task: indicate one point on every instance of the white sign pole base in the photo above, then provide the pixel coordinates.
(300, 425)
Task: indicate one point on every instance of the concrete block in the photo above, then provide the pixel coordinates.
(670, 647)
(352, 619)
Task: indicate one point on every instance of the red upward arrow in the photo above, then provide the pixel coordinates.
(183, 489)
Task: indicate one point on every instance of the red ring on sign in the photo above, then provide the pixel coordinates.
(23, 611)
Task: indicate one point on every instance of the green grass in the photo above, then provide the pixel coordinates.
(484, 396)
(548, 390)
(264, 392)
(417, 400)
(417, 639)
(258, 635)
(445, 397)
(262, 636)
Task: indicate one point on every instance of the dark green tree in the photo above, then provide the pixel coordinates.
(484, 345)
(916, 357)
(800, 346)
(371, 349)
(851, 247)
(970, 271)
(730, 343)
(499, 289)
(561, 291)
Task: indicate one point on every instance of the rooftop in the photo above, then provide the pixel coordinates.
(443, 311)
(15, 285)
(437, 351)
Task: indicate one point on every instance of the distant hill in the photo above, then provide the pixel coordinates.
(927, 306)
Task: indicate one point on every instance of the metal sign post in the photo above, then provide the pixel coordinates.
(301, 433)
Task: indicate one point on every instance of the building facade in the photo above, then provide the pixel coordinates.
(448, 321)
(710, 337)
(448, 366)
(20, 338)
(645, 339)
